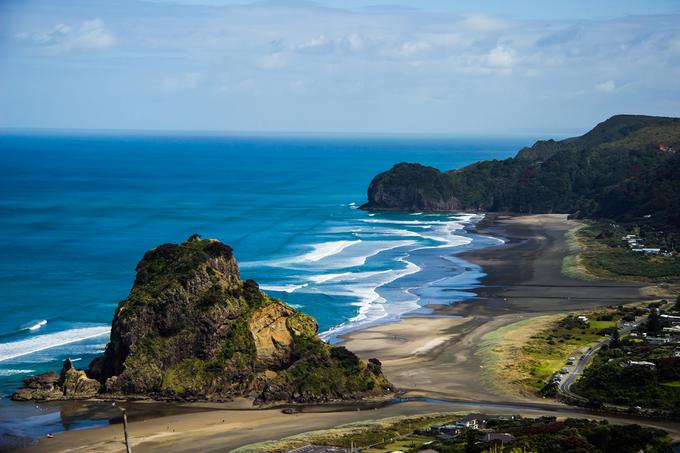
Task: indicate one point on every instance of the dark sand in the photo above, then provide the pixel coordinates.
(441, 357)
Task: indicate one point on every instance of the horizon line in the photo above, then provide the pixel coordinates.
(557, 133)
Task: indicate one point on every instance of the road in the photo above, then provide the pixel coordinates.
(568, 380)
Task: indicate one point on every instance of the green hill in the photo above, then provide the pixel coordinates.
(625, 168)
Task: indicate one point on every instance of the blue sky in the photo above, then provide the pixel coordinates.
(451, 67)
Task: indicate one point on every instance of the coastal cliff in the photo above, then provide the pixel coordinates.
(192, 329)
(624, 168)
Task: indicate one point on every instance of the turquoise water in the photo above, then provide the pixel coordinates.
(77, 211)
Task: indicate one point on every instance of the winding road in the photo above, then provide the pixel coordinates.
(568, 380)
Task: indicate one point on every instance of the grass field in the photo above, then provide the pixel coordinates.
(594, 324)
(595, 252)
(520, 358)
(404, 444)
(360, 434)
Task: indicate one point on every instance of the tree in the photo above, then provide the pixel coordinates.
(616, 339)
(676, 307)
(470, 440)
(653, 322)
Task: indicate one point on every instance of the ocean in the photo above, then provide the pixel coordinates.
(78, 211)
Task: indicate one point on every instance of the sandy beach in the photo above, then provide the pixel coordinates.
(431, 356)
(439, 356)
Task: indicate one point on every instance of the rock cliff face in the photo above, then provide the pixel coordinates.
(412, 187)
(192, 329)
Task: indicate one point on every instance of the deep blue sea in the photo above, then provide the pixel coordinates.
(78, 211)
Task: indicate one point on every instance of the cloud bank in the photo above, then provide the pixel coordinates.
(309, 67)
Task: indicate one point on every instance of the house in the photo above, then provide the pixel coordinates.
(471, 421)
(673, 331)
(502, 438)
(639, 363)
(657, 340)
(670, 317)
(649, 250)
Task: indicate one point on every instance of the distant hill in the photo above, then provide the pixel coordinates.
(625, 168)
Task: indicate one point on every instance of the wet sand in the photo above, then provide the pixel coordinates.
(437, 357)
(440, 357)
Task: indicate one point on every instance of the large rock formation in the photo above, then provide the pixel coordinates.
(192, 329)
(412, 187)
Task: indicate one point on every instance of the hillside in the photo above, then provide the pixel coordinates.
(625, 168)
(192, 329)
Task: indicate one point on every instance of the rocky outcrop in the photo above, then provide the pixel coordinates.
(192, 329)
(412, 187)
(69, 384)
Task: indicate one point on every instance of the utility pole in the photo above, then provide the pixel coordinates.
(125, 431)
(127, 444)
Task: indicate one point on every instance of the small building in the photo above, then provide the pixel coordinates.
(640, 363)
(657, 340)
(502, 438)
(472, 421)
(670, 317)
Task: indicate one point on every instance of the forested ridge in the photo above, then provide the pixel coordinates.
(625, 168)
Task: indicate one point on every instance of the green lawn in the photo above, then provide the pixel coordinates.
(404, 444)
(603, 324)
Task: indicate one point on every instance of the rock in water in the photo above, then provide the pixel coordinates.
(69, 384)
(192, 329)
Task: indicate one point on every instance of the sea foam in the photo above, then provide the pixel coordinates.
(326, 249)
(34, 325)
(11, 372)
(283, 288)
(48, 341)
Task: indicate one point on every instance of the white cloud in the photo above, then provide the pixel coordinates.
(606, 87)
(90, 35)
(366, 66)
(316, 44)
(482, 22)
(185, 82)
(276, 60)
(500, 56)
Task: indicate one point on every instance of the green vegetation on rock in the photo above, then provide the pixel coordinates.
(192, 329)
